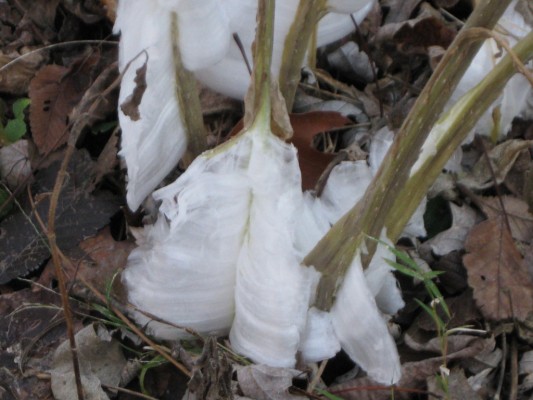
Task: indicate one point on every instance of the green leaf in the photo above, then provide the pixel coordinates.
(19, 106)
(103, 127)
(14, 130)
(328, 395)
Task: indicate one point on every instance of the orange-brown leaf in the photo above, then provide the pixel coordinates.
(306, 126)
(54, 91)
(497, 272)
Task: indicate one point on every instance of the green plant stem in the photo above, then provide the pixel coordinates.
(296, 46)
(260, 106)
(188, 99)
(449, 132)
(333, 255)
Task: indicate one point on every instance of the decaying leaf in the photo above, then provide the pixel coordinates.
(107, 255)
(458, 386)
(23, 247)
(31, 328)
(211, 375)
(15, 163)
(453, 238)
(502, 158)
(54, 92)
(517, 212)
(262, 382)
(16, 77)
(306, 126)
(101, 362)
(497, 272)
(130, 105)
(414, 376)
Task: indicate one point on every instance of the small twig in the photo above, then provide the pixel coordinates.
(364, 48)
(243, 52)
(317, 377)
(136, 330)
(48, 376)
(496, 185)
(513, 390)
(53, 47)
(501, 377)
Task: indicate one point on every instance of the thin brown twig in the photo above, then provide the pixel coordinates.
(48, 376)
(75, 133)
(487, 33)
(513, 390)
(496, 185)
(501, 376)
(135, 329)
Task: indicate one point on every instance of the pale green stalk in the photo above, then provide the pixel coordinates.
(296, 46)
(448, 133)
(189, 101)
(258, 104)
(333, 255)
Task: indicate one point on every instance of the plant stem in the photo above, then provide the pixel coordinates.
(458, 122)
(296, 46)
(260, 106)
(188, 99)
(334, 253)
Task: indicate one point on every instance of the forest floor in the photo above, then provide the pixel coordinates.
(59, 84)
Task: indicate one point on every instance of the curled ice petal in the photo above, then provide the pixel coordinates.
(204, 32)
(381, 282)
(319, 341)
(348, 6)
(361, 330)
(184, 268)
(272, 290)
(152, 145)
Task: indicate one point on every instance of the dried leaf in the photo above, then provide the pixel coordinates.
(23, 247)
(29, 334)
(54, 92)
(306, 126)
(130, 105)
(502, 158)
(517, 211)
(458, 386)
(108, 256)
(15, 163)
(414, 375)
(101, 362)
(16, 77)
(262, 382)
(497, 272)
(423, 33)
(453, 239)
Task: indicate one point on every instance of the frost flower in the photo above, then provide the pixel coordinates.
(154, 139)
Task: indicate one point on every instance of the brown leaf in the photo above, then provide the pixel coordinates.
(130, 106)
(414, 375)
(306, 126)
(262, 382)
(108, 255)
(54, 92)
(424, 33)
(497, 272)
(14, 79)
(502, 158)
(517, 211)
(458, 386)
